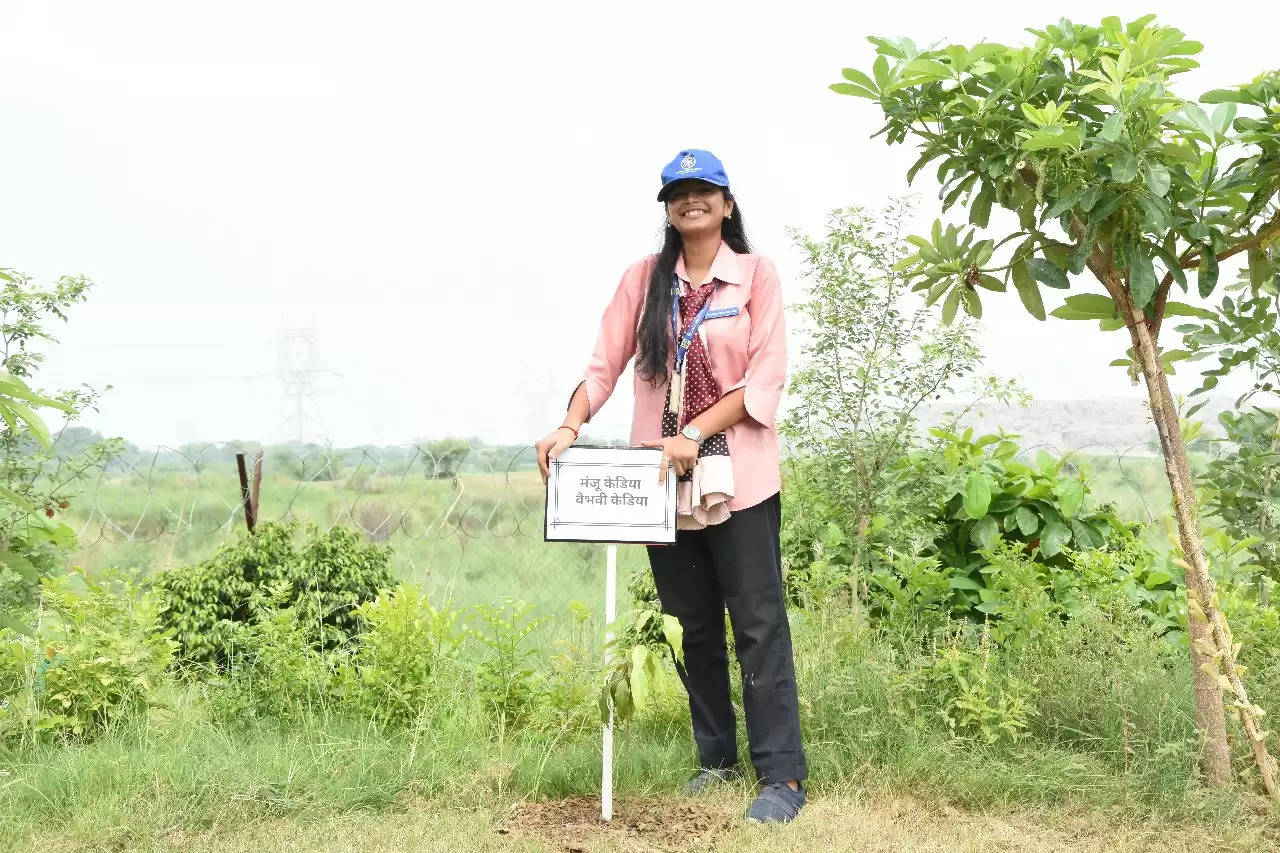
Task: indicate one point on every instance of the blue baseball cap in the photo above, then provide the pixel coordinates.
(693, 164)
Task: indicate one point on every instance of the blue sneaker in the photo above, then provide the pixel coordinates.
(708, 779)
(776, 803)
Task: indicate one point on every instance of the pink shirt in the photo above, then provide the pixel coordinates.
(746, 351)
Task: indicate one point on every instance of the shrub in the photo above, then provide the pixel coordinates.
(95, 657)
(274, 669)
(507, 682)
(397, 660)
(323, 582)
(972, 698)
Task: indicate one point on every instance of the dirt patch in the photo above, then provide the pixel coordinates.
(650, 824)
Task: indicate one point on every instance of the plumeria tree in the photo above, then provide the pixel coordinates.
(1119, 188)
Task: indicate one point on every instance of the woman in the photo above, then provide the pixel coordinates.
(703, 319)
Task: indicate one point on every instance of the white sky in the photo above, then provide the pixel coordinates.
(447, 193)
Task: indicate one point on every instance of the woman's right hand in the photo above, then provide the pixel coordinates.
(550, 447)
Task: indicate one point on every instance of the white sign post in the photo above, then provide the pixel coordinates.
(610, 494)
(610, 613)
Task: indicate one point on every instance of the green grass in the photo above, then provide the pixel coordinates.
(185, 768)
(1113, 735)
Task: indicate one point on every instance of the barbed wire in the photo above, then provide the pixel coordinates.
(402, 491)
(407, 493)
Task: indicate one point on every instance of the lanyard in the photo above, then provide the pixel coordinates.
(686, 340)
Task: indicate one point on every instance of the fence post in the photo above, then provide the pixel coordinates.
(248, 497)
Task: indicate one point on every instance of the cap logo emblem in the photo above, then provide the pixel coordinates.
(688, 162)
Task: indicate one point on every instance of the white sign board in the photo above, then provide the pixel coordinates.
(610, 494)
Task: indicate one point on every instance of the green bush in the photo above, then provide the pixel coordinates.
(396, 664)
(992, 496)
(508, 683)
(323, 582)
(274, 671)
(95, 657)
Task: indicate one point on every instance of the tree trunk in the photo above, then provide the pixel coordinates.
(1213, 650)
(1215, 757)
(855, 571)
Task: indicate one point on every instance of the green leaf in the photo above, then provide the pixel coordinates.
(1028, 522)
(1070, 494)
(1182, 309)
(622, 702)
(853, 75)
(1142, 276)
(1219, 96)
(1156, 577)
(1048, 273)
(639, 680)
(1085, 534)
(949, 307)
(21, 565)
(1055, 535)
(1112, 126)
(980, 211)
(1124, 168)
(1222, 118)
(855, 91)
(1089, 306)
(32, 420)
(1259, 267)
(1156, 177)
(1207, 272)
(972, 304)
(1028, 290)
(985, 531)
(964, 582)
(1171, 264)
(1198, 119)
(674, 632)
(977, 495)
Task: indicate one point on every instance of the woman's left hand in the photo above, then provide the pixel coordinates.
(679, 451)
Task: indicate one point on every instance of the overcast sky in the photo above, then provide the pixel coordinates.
(445, 195)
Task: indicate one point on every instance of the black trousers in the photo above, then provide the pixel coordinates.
(737, 564)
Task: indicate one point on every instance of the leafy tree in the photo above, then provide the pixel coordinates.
(35, 479)
(1242, 488)
(444, 457)
(1107, 170)
(874, 356)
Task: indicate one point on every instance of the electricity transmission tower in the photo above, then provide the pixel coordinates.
(298, 366)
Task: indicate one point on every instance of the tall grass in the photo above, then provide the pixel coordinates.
(1114, 733)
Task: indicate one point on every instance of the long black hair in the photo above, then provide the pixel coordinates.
(653, 346)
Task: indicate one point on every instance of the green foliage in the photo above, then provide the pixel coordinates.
(307, 463)
(36, 483)
(872, 358)
(444, 457)
(508, 683)
(1242, 488)
(991, 497)
(1080, 131)
(1240, 334)
(273, 670)
(972, 701)
(643, 638)
(324, 581)
(95, 658)
(396, 665)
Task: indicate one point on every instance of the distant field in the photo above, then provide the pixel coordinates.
(471, 540)
(474, 539)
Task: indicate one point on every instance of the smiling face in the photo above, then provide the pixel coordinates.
(697, 207)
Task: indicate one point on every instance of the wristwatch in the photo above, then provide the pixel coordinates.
(692, 433)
